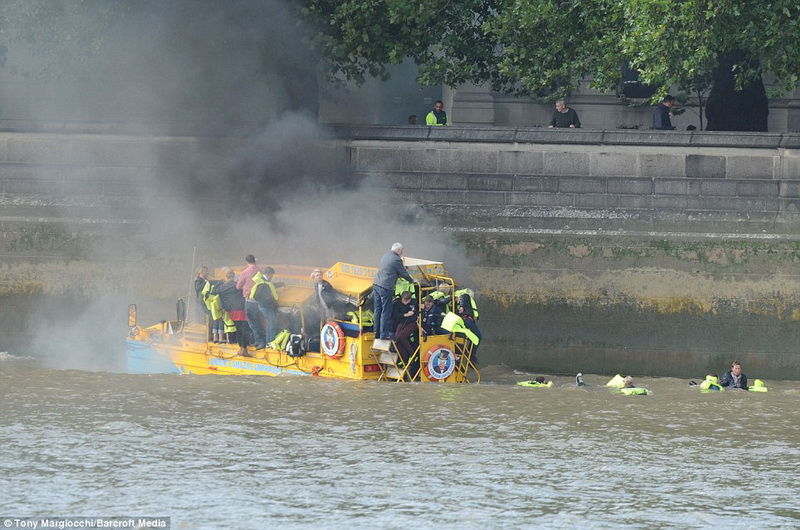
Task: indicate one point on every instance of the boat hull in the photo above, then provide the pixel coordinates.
(157, 350)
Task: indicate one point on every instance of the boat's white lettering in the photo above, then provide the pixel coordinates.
(245, 365)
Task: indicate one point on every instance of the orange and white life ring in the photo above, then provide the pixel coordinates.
(332, 339)
(439, 362)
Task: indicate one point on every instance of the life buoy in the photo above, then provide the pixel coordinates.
(439, 362)
(332, 339)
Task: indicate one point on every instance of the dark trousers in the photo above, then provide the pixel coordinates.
(242, 333)
(382, 311)
(473, 327)
(403, 334)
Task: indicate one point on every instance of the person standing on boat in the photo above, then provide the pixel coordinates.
(245, 283)
(390, 268)
(200, 282)
(232, 301)
(265, 293)
(468, 311)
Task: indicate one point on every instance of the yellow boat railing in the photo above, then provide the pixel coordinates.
(393, 367)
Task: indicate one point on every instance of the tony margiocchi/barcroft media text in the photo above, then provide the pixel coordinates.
(134, 523)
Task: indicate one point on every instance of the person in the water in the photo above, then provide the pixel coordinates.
(735, 378)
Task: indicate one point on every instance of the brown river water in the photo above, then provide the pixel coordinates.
(290, 452)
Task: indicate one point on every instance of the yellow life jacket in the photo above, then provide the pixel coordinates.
(471, 294)
(455, 324)
(402, 285)
(440, 300)
(616, 382)
(212, 301)
(437, 295)
(280, 340)
(635, 391)
(536, 384)
(711, 384)
(367, 317)
(758, 386)
(258, 280)
(214, 305)
(206, 291)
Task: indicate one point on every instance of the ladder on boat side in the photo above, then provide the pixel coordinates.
(390, 362)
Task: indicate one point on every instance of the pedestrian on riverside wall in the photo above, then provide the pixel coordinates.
(662, 114)
(564, 117)
(437, 117)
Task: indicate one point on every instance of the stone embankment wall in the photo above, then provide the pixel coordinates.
(614, 251)
(663, 253)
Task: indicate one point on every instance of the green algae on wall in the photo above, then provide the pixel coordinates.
(46, 238)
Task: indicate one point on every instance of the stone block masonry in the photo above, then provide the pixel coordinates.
(643, 252)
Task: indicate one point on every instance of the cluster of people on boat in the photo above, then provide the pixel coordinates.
(396, 310)
(245, 310)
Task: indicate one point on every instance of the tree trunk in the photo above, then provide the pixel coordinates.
(736, 110)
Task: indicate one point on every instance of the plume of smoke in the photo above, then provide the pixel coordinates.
(233, 78)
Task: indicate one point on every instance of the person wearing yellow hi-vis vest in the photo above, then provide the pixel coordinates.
(455, 324)
(265, 293)
(466, 298)
(211, 301)
(437, 117)
(468, 311)
(200, 282)
(223, 322)
(711, 383)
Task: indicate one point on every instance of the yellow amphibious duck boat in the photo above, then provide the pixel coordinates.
(346, 348)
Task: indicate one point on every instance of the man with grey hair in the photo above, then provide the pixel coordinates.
(389, 270)
(564, 117)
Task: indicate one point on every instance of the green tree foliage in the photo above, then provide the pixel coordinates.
(445, 38)
(544, 47)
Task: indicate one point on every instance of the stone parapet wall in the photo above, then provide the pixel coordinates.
(656, 175)
(645, 252)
